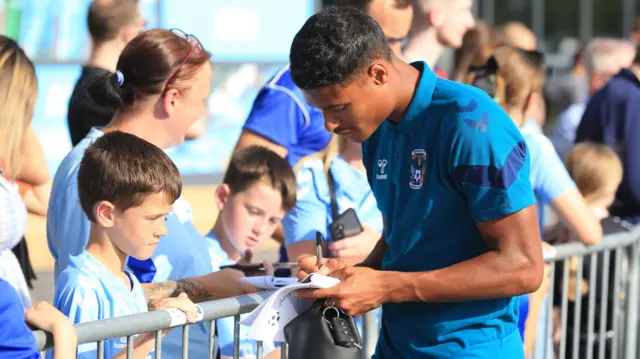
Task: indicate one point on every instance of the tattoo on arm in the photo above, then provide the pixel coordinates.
(192, 286)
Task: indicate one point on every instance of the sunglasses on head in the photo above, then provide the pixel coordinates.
(196, 45)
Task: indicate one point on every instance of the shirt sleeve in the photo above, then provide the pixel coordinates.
(489, 163)
(310, 212)
(67, 225)
(76, 299)
(551, 177)
(278, 115)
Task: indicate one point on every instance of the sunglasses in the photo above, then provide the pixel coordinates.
(196, 45)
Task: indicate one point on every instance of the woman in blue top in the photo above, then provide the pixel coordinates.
(340, 162)
(514, 78)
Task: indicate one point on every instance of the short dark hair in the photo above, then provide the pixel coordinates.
(334, 45)
(364, 4)
(106, 18)
(123, 169)
(153, 62)
(255, 164)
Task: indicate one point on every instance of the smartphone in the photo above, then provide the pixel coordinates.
(346, 225)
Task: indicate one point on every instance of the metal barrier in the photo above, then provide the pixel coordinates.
(612, 288)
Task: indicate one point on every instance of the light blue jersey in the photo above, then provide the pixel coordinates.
(225, 326)
(312, 211)
(548, 175)
(454, 160)
(67, 225)
(86, 291)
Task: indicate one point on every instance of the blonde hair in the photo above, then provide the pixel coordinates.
(516, 78)
(595, 168)
(18, 92)
(472, 42)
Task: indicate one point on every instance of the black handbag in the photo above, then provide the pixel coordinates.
(323, 332)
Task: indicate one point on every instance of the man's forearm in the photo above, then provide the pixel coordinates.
(374, 259)
(491, 275)
(193, 287)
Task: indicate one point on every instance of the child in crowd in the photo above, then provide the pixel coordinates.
(597, 172)
(126, 186)
(259, 187)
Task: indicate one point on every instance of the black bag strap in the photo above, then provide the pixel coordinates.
(332, 195)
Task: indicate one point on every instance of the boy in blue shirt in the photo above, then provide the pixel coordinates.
(127, 186)
(461, 238)
(258, 188)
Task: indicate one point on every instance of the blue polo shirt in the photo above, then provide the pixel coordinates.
(611, 118)
(455, 159)
(281, 114)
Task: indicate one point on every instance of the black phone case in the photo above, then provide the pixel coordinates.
(346, 225)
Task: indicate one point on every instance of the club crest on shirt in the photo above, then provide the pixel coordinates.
(418, 164)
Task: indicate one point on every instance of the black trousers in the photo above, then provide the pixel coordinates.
(22, 253)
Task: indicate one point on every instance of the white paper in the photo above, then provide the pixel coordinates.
(268, 320)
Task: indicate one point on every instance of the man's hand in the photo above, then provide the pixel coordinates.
(267, 266)
(309, 264)
(357, 246)
(360, 290)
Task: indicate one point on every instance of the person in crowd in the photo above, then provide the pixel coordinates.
(22, 176)
(127, 187)
(475, 39)
(512, 77)
(16, 338)
(597, 171)
(161, 84)
(434, 137)
(568, 88)
(258, 188)
(602, 59)
(436, 25)
(111, 24)
(283, 121)
(334, 179)
(610, 117)
(518, 35)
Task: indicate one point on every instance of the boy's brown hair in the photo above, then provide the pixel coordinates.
(254, 164)
(106, 18)
(123, 169)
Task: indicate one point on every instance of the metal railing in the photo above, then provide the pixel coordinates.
(606, 327)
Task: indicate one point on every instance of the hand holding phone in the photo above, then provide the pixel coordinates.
(346, 225)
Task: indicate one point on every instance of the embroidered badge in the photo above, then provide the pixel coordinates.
(418, 164)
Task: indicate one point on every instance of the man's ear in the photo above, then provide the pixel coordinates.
(222, 194)
(379, 72)
(435, 16)
(104, 213)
